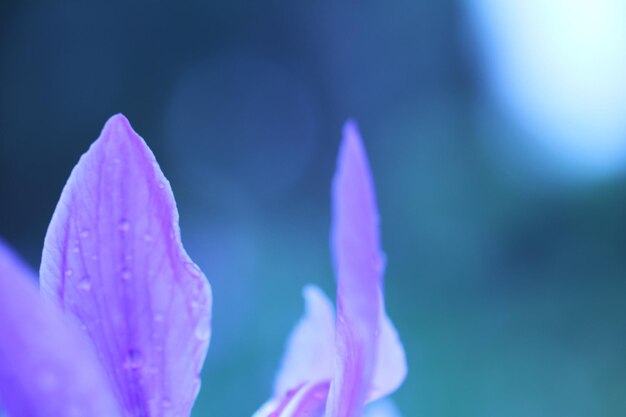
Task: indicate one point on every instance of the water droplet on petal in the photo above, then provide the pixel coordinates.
(124, 225)
(166, 403)
(133, 360)
(84, 233)
(148, 237)
(193, 269)
(126, 274)
(85, 284)
(68, 273)
(203, 330)
(158, 317)
(197, 383)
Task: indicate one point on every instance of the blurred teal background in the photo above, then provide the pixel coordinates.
(497, 137)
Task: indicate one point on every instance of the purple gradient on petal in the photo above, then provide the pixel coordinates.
(308, 401)
(365, 360)
(47, 368)
(359, 268)
(113, 259)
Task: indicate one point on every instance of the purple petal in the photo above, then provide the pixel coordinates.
(359, 265)
(310, 350)
(113, 259)
(47, 368)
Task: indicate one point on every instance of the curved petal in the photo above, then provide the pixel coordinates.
(307, 400)
(113, 259)
(310, 350)
(359, 264)
(382, 408)
(391, 368)
(46, 366)
(267, 408)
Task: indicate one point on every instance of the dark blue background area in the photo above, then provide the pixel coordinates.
(508, 291)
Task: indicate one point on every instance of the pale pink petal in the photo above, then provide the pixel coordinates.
(302, 383)
(391, 367)
(47, 368)
(301, 386)
(310, 351)
(359, 266)
(113, 259)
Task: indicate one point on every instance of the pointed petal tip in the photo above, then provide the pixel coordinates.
(118, 128)
(316, 300)
(312, 291)
(118, 119)
(352, 140)
(353, 190)
(350, 127)
(352, 153)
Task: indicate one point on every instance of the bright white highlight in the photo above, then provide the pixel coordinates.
(559, 68)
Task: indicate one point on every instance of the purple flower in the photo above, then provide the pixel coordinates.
(123, 326)
(334, 368)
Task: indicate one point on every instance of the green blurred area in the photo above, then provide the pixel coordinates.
(508, 299)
